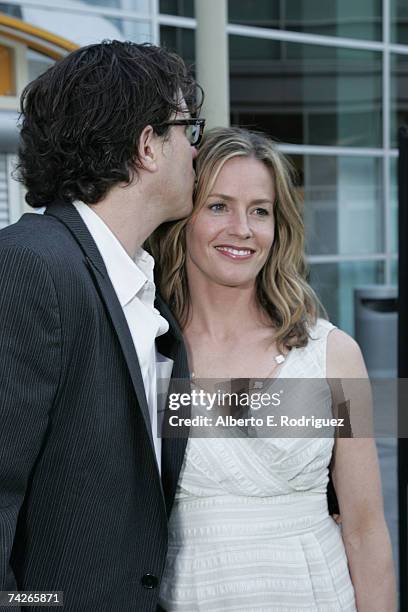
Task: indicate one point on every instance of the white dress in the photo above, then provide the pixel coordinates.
(250, 529)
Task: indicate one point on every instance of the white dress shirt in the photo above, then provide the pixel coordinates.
(133, 283)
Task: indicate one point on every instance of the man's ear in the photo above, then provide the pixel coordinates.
(149, 144)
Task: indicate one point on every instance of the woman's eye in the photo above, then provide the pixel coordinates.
(261, 212)
(217, 207)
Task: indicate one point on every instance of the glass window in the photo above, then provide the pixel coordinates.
(180, 40)
(394, 272)
(307, 94)
(10, 9)
(334, 283)
(85, 29)
(394, 204)
(399, 95)
(399, 21)
(137, 31)
(261, 13)
(259, 49)
(105, 3)
(343, 210)
(129, 5)
(4, 195)
(346, 18)
(37, 64)
(183, 8)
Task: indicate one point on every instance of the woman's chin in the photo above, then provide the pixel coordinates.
(234, 281)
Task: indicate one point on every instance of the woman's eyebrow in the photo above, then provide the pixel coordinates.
(231, 198)
(262, 201)
(221, 195)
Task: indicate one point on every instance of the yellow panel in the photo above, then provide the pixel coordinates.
(7, 71)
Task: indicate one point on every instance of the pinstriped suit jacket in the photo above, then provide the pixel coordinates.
(82, 508)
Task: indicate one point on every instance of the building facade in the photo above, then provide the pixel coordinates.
(327, 80)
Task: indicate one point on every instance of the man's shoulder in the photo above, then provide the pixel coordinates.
(41, 234)
(45, 239)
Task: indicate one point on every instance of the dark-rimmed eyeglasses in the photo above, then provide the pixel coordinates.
(194, 129)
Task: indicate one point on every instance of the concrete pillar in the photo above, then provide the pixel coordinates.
(212, 60)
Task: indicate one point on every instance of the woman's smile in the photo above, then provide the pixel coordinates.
(235, 253)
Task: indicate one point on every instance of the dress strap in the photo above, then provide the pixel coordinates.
(317, 345)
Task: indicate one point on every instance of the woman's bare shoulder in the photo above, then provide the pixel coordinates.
(344, 357)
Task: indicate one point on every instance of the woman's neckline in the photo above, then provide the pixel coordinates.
(276, 371)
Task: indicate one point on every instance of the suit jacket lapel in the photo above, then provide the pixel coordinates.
(72, 220)
(173, 449)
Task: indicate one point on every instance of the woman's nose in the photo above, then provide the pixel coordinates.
(240, 226)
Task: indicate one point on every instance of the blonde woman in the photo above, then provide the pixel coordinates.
(250, 528)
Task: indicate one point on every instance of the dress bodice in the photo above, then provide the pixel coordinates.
(263, 464)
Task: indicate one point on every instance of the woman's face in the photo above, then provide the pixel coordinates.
(229, 239)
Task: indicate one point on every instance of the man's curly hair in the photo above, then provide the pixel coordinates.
(82, 119)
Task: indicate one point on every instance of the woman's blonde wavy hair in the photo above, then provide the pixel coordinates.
(281, 287)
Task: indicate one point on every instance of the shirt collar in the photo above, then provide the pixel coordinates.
(128, 276)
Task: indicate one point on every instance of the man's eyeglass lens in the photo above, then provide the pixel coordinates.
(193, 134)
(194, 129)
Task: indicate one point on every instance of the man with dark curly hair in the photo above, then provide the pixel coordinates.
(107, 146)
